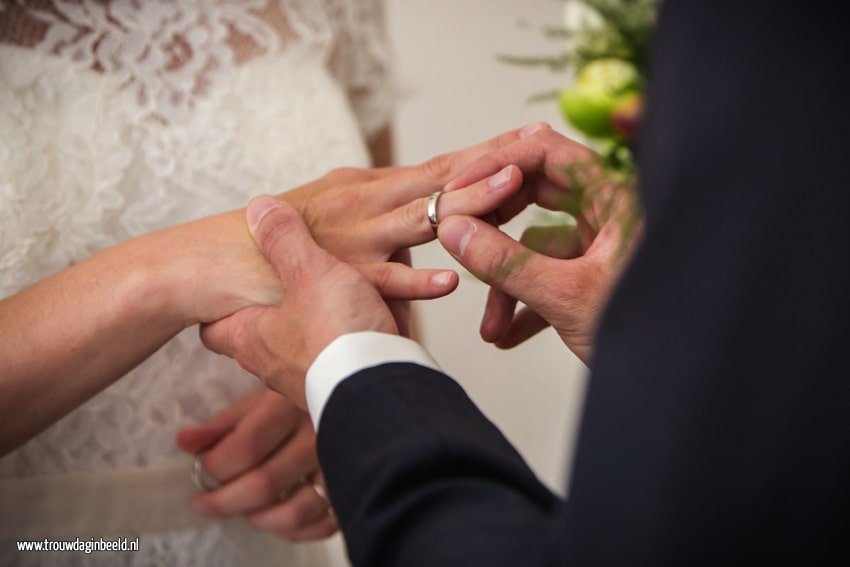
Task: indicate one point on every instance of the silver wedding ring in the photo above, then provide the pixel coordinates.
(432, 210)
(200, 476)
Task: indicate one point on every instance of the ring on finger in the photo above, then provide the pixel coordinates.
(200, 476)
(431, 210)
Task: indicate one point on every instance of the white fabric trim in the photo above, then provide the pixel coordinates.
(351, 353)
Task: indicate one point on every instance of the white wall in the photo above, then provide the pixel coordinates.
(456, 95)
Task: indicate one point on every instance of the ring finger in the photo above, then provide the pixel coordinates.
(409, 225)
(257, 488)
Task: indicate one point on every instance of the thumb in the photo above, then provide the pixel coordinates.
(497, 259)
(282, 236)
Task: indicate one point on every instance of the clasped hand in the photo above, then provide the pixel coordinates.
(325, 297)
(367, 218)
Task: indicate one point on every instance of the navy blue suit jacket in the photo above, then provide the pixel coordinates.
(717, 424)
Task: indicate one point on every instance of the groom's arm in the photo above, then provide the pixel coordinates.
(416, 473)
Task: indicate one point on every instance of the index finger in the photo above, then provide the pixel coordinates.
(426, 178)
(545, 158)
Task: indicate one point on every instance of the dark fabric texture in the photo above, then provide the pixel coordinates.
(717, 424)
(416, 472)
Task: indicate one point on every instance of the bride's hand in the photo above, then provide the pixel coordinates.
(363, 217)
(262, 453)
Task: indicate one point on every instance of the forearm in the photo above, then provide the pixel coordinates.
(418, 476)
(74, 333)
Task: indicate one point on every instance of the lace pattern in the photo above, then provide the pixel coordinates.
(121, 117)
(170, 52)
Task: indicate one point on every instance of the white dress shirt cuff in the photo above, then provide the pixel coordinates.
(349, 354)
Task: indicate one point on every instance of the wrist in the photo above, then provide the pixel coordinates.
(211, 268)
(147, 291)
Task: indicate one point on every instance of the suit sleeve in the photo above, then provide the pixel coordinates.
(418, 475)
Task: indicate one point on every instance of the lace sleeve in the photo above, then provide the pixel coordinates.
(361, 60)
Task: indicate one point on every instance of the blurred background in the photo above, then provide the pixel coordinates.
(455, 93)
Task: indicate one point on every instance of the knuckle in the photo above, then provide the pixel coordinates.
(381, 275)
(499, 264)
(571, 292)
(413, 215)
(439, 167)
(274, 228)
(249, 451)
(264, 484)
(239, 341)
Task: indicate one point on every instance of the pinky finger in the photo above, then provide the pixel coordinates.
(525, 325)
(498, 315)
(323, 528)
(397, 281)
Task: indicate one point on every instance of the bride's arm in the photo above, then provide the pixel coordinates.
(72, 334)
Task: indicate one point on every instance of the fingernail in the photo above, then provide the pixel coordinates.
(532, 129)
(258, 208)
(501, 179)
(443, 279)
(456, 233)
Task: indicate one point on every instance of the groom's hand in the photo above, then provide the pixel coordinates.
(563, 275)
(323, 299)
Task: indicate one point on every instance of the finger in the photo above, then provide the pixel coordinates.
(529, 151)
(283, 237)
(401, 308)
(525, 325)
(324, 528)
(219, 336)
(260, 433)
(300, 510)
(610, 241)
(498, 260)
(498, 314)
(432, 175)
(561, 241)
(279, 476)
(195, 438)
(394, 280)
(409, 225)
(555, 170)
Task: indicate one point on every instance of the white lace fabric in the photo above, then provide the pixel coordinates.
(118, 117)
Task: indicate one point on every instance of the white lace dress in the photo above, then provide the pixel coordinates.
(118, 117)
